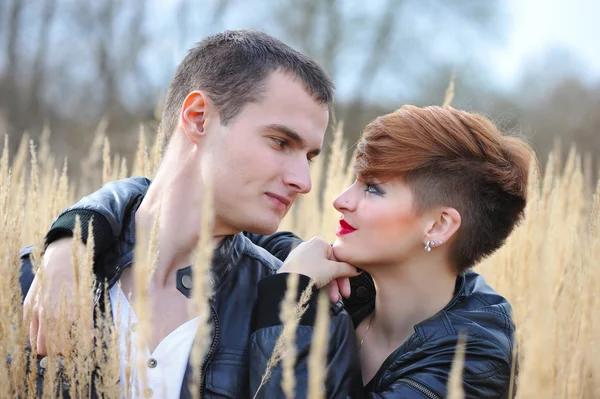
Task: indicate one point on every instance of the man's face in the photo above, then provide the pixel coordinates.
(259, 162)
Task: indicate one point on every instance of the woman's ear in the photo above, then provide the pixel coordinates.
(445, 224)
(193, 116)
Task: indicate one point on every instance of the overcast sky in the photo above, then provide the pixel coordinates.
(538, 25)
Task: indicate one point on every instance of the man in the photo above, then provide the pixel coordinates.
(246, 114)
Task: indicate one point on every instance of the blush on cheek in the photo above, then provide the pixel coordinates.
(392, 226)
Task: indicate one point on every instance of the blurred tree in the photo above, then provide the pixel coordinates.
(378, 52)
(70, 64)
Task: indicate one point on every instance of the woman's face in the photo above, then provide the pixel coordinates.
(378, 224)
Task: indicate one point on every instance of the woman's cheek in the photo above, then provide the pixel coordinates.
(392, 226)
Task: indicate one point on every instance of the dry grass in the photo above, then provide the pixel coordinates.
(549, 269)
(200, 303)
(317, 369)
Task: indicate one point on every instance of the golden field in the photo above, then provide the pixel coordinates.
(549, 268)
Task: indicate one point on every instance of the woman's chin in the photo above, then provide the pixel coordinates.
(342, 252)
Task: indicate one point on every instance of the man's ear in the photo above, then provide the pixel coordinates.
(443, 226)
(193, 116)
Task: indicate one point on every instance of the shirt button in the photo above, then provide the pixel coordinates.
(148, 393)
(152, 362)
(133, 327)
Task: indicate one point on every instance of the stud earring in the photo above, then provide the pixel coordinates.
(428, 246)
(440, 241)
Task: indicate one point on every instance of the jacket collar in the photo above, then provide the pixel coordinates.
(225, 256)
(362, 301)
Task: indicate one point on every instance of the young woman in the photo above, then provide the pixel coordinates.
(436, 190)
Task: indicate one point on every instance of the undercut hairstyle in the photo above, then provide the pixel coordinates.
(231, 68)
(452, 158)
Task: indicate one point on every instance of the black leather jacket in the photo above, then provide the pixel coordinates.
(417, 369)
(244, 308)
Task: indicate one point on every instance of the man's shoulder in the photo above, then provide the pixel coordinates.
(255, 253)
(113, 194)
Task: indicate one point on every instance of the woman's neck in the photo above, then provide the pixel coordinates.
(408, 294)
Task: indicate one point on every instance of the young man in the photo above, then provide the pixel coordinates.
(245, 113)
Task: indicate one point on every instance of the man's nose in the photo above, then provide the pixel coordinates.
(299, 179)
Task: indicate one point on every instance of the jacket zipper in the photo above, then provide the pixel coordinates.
(211, 351)
(421, 388)
(213, 346)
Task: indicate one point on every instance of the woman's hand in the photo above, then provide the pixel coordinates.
(315, 259)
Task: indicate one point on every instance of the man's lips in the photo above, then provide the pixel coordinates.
(345, 228)
(279, 201)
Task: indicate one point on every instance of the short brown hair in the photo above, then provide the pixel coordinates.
(452, 158)
(231, 68)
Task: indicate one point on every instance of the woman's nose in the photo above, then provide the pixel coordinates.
(344, 201)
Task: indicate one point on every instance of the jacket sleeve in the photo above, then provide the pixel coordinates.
(486, 373)
(343, 369)
(26, 274)
(279, 244)
(108, 207)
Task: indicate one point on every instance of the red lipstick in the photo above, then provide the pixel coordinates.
(344, 228)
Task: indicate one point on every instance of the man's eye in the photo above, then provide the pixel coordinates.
(281, 143)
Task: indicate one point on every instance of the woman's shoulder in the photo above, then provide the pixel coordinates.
(477, 293)
(477, 310)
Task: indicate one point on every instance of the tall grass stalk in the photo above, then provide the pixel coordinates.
(548, 269)
(317, 360)
(202, 283)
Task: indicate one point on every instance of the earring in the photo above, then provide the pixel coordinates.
(440, 241)
(428, 246)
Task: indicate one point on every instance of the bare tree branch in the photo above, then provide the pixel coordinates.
(333, 40)
(36, 89)
(220, 10)
(13, 98)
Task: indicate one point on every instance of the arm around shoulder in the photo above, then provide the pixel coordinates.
(342, 368)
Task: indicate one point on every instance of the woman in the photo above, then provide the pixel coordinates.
(436, 190)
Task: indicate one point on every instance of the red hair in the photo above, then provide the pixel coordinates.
(452, 158)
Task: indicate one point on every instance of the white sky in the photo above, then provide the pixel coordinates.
(534, 27)
(541, 24)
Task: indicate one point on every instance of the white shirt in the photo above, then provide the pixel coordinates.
(165, 367)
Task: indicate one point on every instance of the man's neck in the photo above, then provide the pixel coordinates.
(180, 218)
(408, 294)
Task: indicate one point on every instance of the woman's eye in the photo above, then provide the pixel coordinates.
(372, 189)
